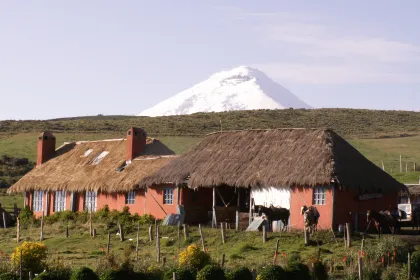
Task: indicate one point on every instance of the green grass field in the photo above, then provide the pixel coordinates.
(243, 248)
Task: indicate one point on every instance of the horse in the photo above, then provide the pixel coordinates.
(274, 214)
(381, 219)
(310, 218)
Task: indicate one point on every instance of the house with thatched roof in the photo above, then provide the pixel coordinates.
(284, 167)
(87, 175)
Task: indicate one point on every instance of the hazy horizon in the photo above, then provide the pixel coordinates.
(67, 59)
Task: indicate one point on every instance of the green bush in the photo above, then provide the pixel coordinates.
(67, 215)
(43, 276)
(390, 273)
(60, 274)
(181, 273)
(103, 213)
(211, 272)
(415, 264)
(84, 273)
(109, 275)
(241, 273)
(272, 272)
(26, 217)
(391, 245)
(320, 271)
(298, 271)
(8, 276)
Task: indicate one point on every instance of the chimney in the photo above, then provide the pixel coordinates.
(45, 147)
(136, 142)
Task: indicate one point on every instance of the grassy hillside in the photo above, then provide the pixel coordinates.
(348, 122)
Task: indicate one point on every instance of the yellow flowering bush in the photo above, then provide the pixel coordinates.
(33, 256)
(193, 257)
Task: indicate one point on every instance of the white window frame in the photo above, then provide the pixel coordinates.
(38, 201)
(100, 157)
(320, 196)
(130, 197)
(91, 199)
(168, 196)
(59, 201)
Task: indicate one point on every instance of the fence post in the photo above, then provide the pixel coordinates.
(17, 230)
(186, 232)
(360, 268)
(222, 229)
(264, 234)
(67, 231)
(276, 252)
(109, 243)
(223, 260)
(306, 235)
(237, 221)
(157, 244)
(42, 227)
(174, 277)
(202, 237)
(4, 220)
(150, 233)
(348, 225)
(137, 242)
(120, 227)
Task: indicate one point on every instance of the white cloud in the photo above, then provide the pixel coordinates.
(329, 53)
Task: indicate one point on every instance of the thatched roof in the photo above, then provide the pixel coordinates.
(71, 170)
(277, 157)
(413, 188)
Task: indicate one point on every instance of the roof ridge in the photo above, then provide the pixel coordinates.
(270, 129)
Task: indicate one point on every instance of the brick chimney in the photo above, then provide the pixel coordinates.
(136, 142)
(45, 147)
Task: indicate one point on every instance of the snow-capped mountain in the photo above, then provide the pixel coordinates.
(242, 88)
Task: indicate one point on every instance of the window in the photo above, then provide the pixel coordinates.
(90, 201)
(37, 203)
(87, 152)
(129, 199)
(59, 201)
(168, 196)
(320, 196)
(100, 157)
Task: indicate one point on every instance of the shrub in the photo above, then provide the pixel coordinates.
(320, 271)
(84, 273)
(192, 257)
(415, 264)
(67, 215)
(389, 244)
(33, 256)
(390, 273)
(211, 272)
(43, 276)
(241, 273)
(181, 273)
(26, 216)
(103, 213)
(272, 272)
(8, 276)
(298, 271)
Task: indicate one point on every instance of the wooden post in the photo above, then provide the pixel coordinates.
(400, 164)
(332, 230)
(237, 221)
(250, 206)
(360, 268)
(17, 230)
(186, 232)
(264, 234)
(414, 167)
(306, 234)
(157, 245)
(31, 276)
(150, 233)
(409, 265)
(276, 252)
(109, 243)
(67, 231)
(94, 233)
(90, 224)
(345, 236)
(383, 166)
(348, 229)
(202, 237)
(121, 232)
(179, 235)
(214, 221)
(137, 242)
(41, 238)
(4, 220)
(363, 243)
(174, 277)
(223, 260)
(163, 261)
(406, 167)
(222, 230)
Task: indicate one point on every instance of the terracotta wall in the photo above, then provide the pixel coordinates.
(300, 196)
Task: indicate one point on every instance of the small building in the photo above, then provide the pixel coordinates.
(87, 175)
(285, 167)
(411, 195)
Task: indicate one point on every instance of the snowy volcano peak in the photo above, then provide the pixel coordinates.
(241, 88)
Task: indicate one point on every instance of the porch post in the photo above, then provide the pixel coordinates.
(214, 221)
(24, 200)
(47, 203)
(71, 201)
(179, 200)
(250, 206)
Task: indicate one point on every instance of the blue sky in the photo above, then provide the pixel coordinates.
(72, 58)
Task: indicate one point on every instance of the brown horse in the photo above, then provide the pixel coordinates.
(382, 219)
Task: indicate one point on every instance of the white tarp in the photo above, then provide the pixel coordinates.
(272, 196)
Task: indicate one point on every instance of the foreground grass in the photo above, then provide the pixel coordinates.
(241, 248)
